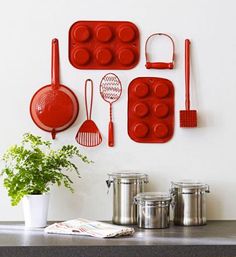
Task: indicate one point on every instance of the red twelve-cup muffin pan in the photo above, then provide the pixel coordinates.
(112, 45)
(150, 110)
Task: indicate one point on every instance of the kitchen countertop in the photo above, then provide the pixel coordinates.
(218, 238)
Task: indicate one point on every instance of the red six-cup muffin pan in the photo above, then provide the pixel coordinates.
(103, 45)
(150, 110)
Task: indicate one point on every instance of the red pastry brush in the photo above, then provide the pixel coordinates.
(188, 118)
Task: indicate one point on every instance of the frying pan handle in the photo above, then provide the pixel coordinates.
(111, 134)
(159, 65)
(187, 74)
(55, 80)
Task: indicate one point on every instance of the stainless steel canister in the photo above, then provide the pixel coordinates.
(125, 186)
(189, 202)
(153, 209)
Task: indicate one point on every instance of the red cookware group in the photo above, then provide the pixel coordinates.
(113, 45)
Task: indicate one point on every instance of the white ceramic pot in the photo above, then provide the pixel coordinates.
(35, 209)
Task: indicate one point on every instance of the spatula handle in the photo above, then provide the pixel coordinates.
(187, 74)
(55, 77)
(88, 109)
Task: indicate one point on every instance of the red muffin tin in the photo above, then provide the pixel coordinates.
(150, 110)
(103, 45)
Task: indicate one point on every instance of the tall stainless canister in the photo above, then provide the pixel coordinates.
(153, 209)
(189, 202)
(126, 185)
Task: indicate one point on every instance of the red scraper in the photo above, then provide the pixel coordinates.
(88, 134)
(188, 118)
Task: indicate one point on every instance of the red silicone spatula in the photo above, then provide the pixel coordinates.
(188, 118)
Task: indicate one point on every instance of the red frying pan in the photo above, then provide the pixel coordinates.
(54, 107)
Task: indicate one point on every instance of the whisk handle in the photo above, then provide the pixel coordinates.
(111, 134)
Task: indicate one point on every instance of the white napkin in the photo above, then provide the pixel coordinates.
(88, 228)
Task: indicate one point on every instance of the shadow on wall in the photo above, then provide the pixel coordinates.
(215, 206)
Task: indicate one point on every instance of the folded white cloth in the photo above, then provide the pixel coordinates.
(88, 228)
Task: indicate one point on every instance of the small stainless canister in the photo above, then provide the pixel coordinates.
(153, 209)
(189, 202)
(125, 186)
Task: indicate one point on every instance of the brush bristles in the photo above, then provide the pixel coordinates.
(188, 119)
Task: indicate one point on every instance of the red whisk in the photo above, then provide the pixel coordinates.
(110, 90)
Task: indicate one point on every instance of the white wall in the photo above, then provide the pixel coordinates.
(206, 153)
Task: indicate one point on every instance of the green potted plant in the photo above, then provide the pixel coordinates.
(31, 168)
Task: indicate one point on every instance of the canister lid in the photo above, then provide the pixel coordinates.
(153, 197)
(190, 184)
(128, 175)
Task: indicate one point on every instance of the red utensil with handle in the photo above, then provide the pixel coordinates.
(54, 107)
(88, 134)
(160, 65)
(110, 90)
(188, 118)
